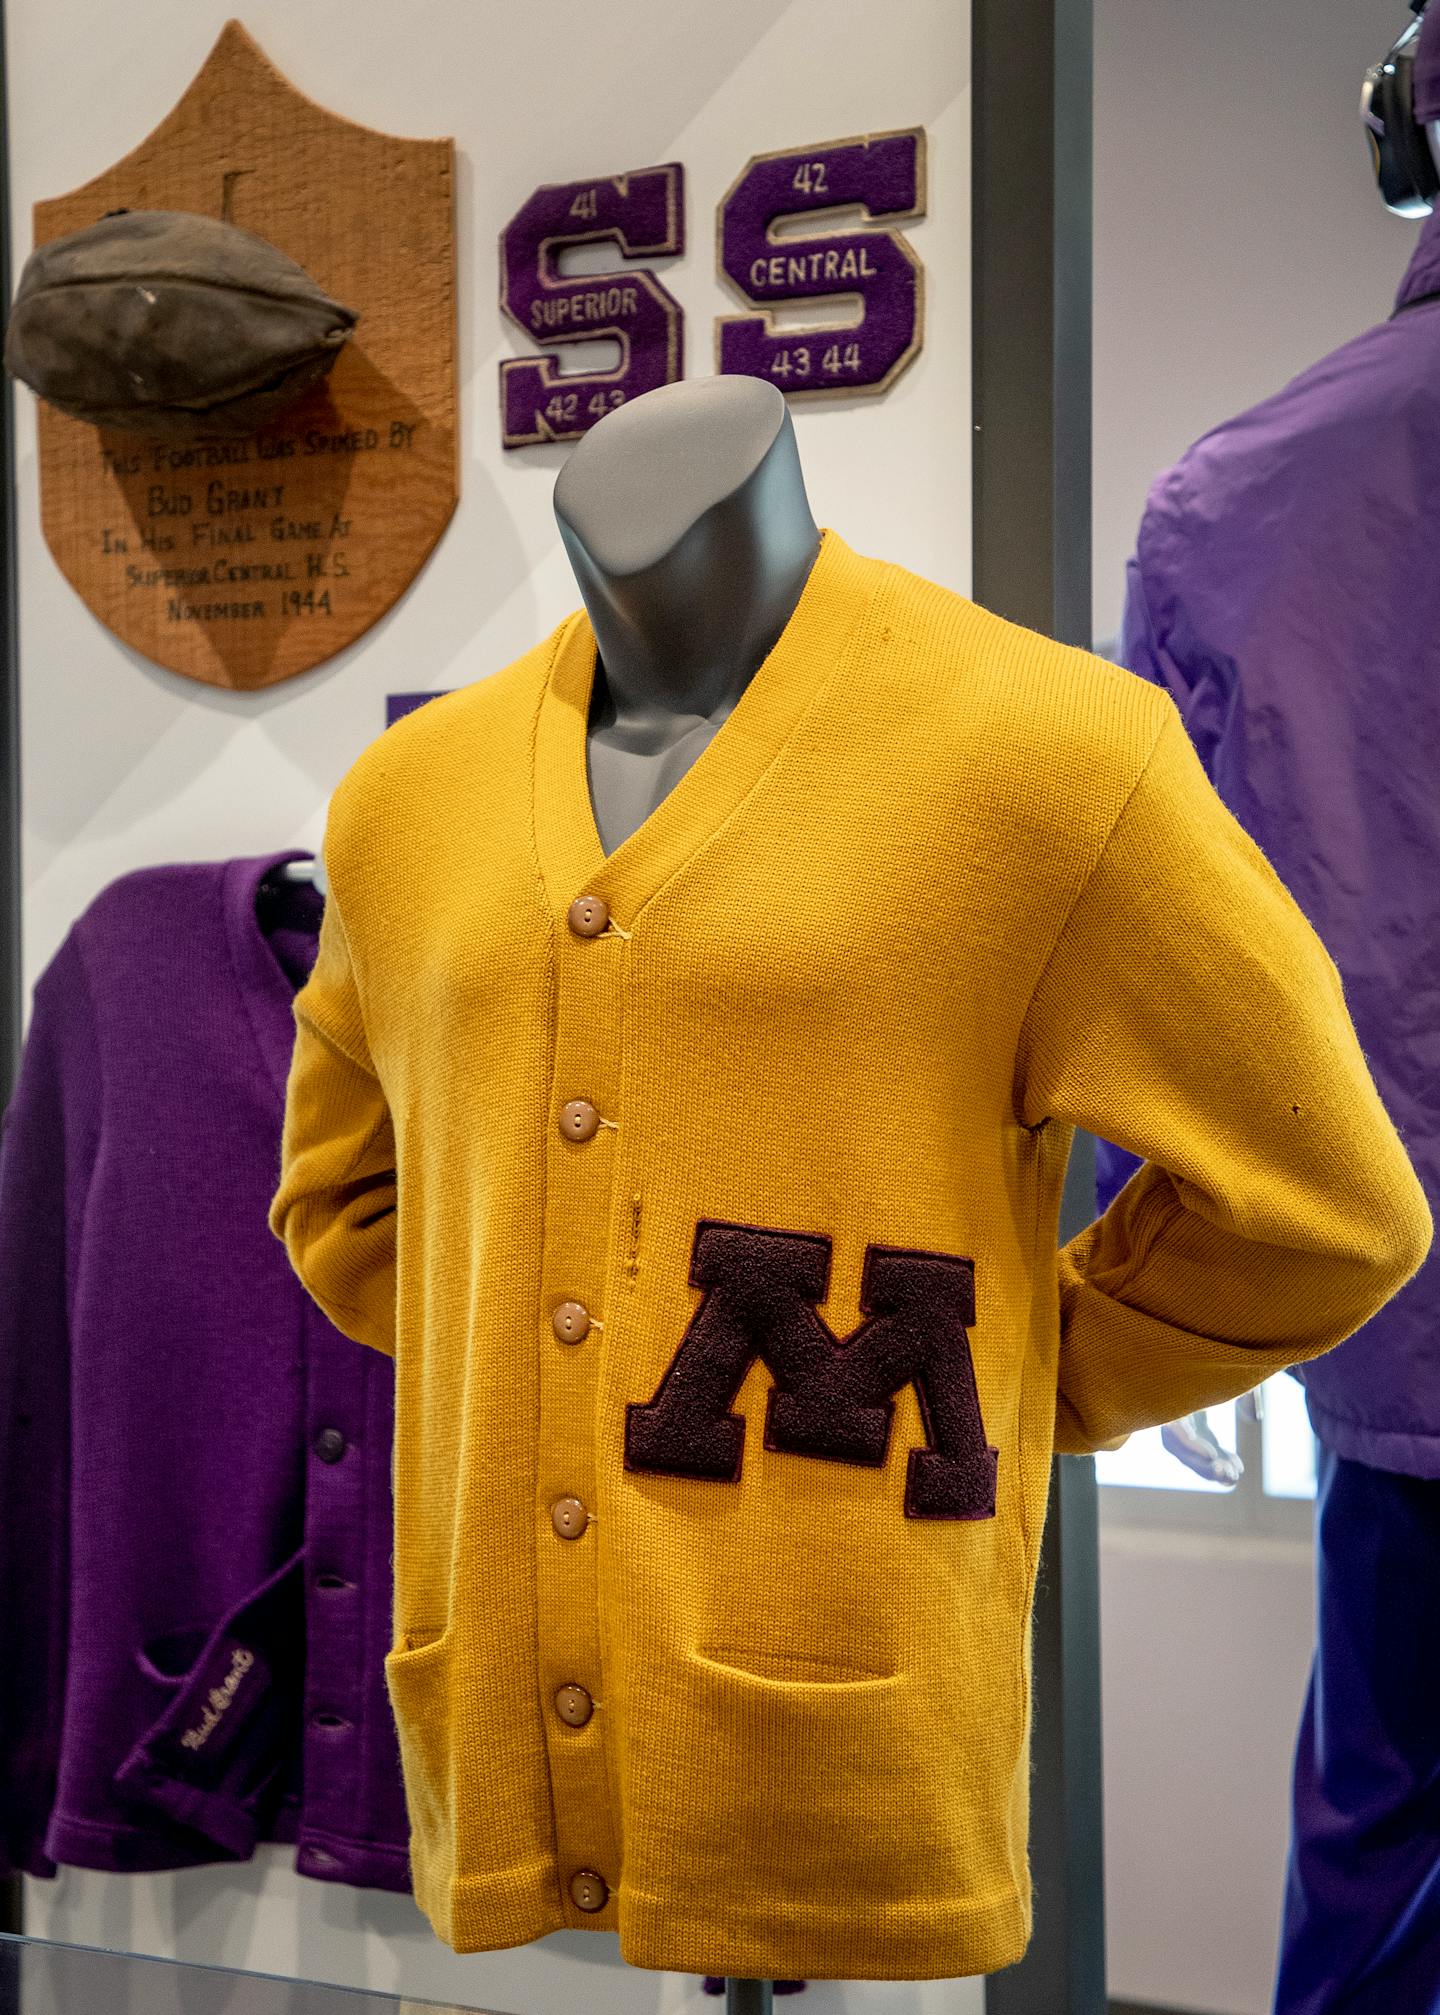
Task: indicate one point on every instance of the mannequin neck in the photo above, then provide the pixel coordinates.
(691, 539)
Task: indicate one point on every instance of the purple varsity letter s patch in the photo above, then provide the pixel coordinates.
(884, 174)
(643, 213)
(833, 1397)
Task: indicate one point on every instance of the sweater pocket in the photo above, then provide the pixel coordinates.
(794, 1785)
(418, 1677)
(791, 1668)
(217, 1706)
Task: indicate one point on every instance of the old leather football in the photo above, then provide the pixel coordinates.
(166, 323)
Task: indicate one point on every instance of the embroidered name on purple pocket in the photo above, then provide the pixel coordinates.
(833, 1397)
(643, 213)
(210, 1713)
(884, 174)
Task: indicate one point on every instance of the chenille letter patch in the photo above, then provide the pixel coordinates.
(833, 1397)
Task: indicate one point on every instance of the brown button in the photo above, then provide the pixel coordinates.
(574, 1706)
(569, 1517)
(588, 916)
(571, 1321)
(579, 1119)
(588, 1891)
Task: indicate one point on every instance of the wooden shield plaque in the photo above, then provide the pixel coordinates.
(242, 562)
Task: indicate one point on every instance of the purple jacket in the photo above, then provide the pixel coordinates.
(1286, 592)
(195, 1517)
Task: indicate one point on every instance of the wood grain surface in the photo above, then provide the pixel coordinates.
(241, 563)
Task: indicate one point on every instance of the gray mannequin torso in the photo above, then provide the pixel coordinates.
(685, 518)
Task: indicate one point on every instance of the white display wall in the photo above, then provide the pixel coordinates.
(124, 764)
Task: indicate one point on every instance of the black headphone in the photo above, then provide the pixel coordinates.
(1399, 151)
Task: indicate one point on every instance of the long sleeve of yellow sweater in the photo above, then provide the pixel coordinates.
(1190, 1013)
(336, 1211)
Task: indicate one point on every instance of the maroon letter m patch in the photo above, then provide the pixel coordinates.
(833, 1396)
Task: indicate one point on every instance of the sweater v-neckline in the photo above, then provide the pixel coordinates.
(572, 856)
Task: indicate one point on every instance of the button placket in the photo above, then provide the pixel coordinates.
(580, 1169)
(335, 1491)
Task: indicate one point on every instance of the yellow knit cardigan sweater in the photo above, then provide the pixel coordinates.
(706, 1196)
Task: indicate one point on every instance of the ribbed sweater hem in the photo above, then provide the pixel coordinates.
(489, 1913)
(135, 1850)
(125, 1850)
(925, 1941)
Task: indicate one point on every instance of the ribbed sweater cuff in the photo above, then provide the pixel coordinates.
(1122, 1370)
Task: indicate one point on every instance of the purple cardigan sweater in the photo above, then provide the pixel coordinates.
(195, 1520)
